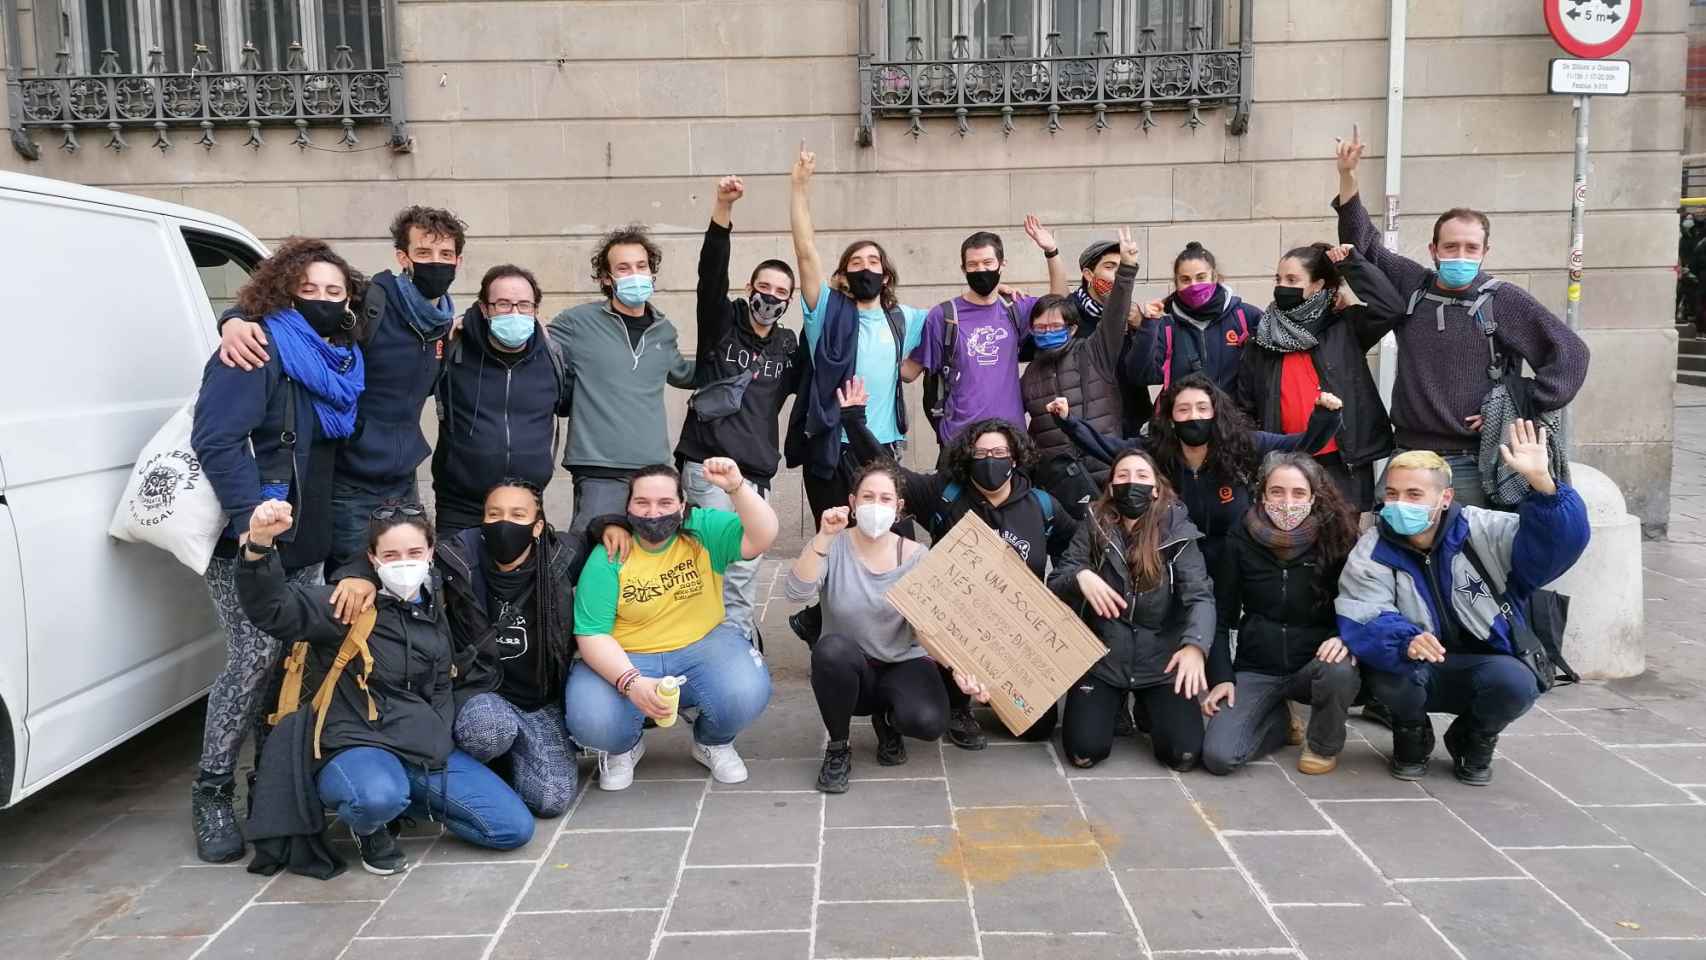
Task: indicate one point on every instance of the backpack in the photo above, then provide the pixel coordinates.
(354, 645)
(952, 491)
(939, 384)
(1167, 350)
(1538, 640)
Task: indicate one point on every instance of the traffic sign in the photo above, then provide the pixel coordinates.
(1603, 78)
(1592, 29)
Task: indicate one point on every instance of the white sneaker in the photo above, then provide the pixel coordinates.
(616, 770)
(725, 764)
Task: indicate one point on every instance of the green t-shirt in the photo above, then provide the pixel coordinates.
(663, 600)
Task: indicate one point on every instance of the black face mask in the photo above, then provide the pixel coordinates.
(432, 279)
(864, 284)
(1132, 500)
(1288, 298)
(1194, 433)
(655, 529)
(983, 282)
(328, 318)
(991, 473)
(506, 540)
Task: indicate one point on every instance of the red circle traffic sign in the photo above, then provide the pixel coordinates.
(1592, 28)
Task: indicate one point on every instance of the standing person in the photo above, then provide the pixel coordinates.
(271, 433)
(971, 344)
(1099, 265)
(1330, 308)
(498, 401)
(409, 320)
(868, 662)
(1200, 328)
(1432, 600)
(1275, 584)
(1137, 578)
(1464, 330)
(619, 353)
(660, 614)
(747, 365)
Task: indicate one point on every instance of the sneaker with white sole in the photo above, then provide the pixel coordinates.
(616, 770)
(725, 764)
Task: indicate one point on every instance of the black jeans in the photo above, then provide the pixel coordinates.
(1487, 690)
(1093, 705)
(849, 684)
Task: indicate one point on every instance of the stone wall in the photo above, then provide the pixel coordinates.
(542, 122)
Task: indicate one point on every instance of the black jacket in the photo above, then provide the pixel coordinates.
(1164, 350)
(402, 364)
(1156, 623)
(496, 418)
(462, 562)
(728, 347)
(287, 820)
(1283, 611)
(1341, 361)
(1086, 372)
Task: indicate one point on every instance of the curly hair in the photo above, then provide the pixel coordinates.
(881, 465)
(635, 234)
(433, 221)
(1231, 447)
(272, 287)
(960, 451)
(1338, 519)
(891, 276)
(1143, 547)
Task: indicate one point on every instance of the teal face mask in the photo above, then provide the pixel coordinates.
(512, 329)
(1458, 273)
(1407, 519)
(635, 289)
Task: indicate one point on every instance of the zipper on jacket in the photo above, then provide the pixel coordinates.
(509, 377)
(1285, 641)
(1439, 602)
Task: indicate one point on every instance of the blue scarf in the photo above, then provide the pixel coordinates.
(333, 376)
(429, 320)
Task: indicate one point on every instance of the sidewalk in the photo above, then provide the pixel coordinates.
(1591, 843)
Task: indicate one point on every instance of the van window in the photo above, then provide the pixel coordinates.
(224, 266)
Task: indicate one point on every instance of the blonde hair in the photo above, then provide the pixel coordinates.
(1424, 460)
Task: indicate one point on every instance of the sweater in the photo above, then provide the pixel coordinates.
(619, 421)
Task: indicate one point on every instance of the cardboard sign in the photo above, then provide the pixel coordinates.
(979, 609)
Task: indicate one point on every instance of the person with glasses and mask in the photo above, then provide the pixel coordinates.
(498, 401)
(987, 472)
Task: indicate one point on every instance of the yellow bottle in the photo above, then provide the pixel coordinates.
(669, 691)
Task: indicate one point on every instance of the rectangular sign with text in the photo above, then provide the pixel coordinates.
(1594, 78)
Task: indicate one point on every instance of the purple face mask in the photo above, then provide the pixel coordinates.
(1197, 294)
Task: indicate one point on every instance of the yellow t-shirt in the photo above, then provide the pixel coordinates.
(664, 600)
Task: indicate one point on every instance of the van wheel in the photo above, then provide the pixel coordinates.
(7, 756)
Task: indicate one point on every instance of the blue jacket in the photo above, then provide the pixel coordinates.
(402, 367)
(1390, 592)
(1172, 347)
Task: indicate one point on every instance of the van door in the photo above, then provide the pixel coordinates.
(14, 654)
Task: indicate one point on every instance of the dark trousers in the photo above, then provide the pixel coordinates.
(1356, 483)
(849, 684)
(1488, 691)
(1093, 705)
(1258, 723)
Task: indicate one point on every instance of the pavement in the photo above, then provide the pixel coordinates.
(1591, 843)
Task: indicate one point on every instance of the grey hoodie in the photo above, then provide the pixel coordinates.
(618, 419)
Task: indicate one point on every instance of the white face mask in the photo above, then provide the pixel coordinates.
(874, 519)
(403, 578)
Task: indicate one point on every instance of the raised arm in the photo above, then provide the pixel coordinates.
(805, 577)
(805, 237)
(275, 605)
(1058, 281)
(1111, 334)
(757, 518)
(1357, 229)
(715, 314)
(915, 488)
(1323, 426)
(1382, 305)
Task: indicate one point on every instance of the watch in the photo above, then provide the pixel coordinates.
(259, 551)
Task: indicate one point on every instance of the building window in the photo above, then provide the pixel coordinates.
(121, 35)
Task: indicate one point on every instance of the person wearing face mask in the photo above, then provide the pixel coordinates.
(1275, 582)
(271, 433)
(408, 324)
(1202, 328)
(868, 661)
(383, 746)
(660, 614)
(1136, 576)
(1463, 332)
(747, 366)
(498, 401)
(1435, 601)
(619, 353)
(1330, 308)
(1099, 266)
(971, 344)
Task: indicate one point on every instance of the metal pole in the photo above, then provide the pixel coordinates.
(1578, 222)
(1397, 37)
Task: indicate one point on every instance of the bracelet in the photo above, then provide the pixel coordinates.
(626, 680)
(1051, 254)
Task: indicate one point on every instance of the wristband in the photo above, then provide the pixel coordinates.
(258, 551)
(1051, 254)
(626, 680)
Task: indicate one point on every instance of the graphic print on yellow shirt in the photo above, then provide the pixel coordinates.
(664, 600)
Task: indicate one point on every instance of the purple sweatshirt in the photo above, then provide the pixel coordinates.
(1442, 374)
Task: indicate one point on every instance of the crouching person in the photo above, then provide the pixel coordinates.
(381, 746)
(659, 614)
(1420, 602)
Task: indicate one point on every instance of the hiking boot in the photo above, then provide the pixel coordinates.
(1375, 712)
(1471, 754)
(891, 746)
(807, 624)
(1314, 764)
(380, 854)
(213, 812)
(1410, 749)
(964, 731)
(837, 767)
(616, 770)
(725, 764)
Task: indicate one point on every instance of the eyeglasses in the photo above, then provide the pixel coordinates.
(393, 510)
(992, 452)
(513, 306)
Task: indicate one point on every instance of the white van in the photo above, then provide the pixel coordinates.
(108, 304)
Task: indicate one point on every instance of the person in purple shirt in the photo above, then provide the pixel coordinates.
(977, 356)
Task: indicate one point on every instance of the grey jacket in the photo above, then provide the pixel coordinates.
(618, 419)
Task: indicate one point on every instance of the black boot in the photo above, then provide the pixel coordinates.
(837, 767)
(808, 624)
(214, 815)
(891, 746)
(964, 731)
(1471, 753)
(1410, 749)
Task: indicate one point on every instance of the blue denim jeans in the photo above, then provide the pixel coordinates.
(1490, 690)
(370, 787)
(726, 679)
(352, 512)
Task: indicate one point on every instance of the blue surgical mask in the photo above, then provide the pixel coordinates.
(512, 329)
(1051, 339)
(635, 289)
(1458, 273)
(1407, 519)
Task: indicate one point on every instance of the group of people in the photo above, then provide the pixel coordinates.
(1194, 475)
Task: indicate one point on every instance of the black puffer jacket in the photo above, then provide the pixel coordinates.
(1086, 373)
(462, 563)
(1283, 611)
(1157, 622)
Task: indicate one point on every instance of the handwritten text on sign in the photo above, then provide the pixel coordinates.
(978, 609)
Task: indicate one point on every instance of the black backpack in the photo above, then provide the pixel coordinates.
(1539, 640)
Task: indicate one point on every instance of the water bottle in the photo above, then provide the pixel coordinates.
(669, 691)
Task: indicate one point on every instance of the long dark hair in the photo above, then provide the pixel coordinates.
(1316, 263)
(1337, 519)
(960, 451)
(1143, 545)
(1231, 447)
(891, 276)
(548, 670)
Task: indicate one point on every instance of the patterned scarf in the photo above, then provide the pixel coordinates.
(1294, 331)
(1286, 545)
(1087, 305)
